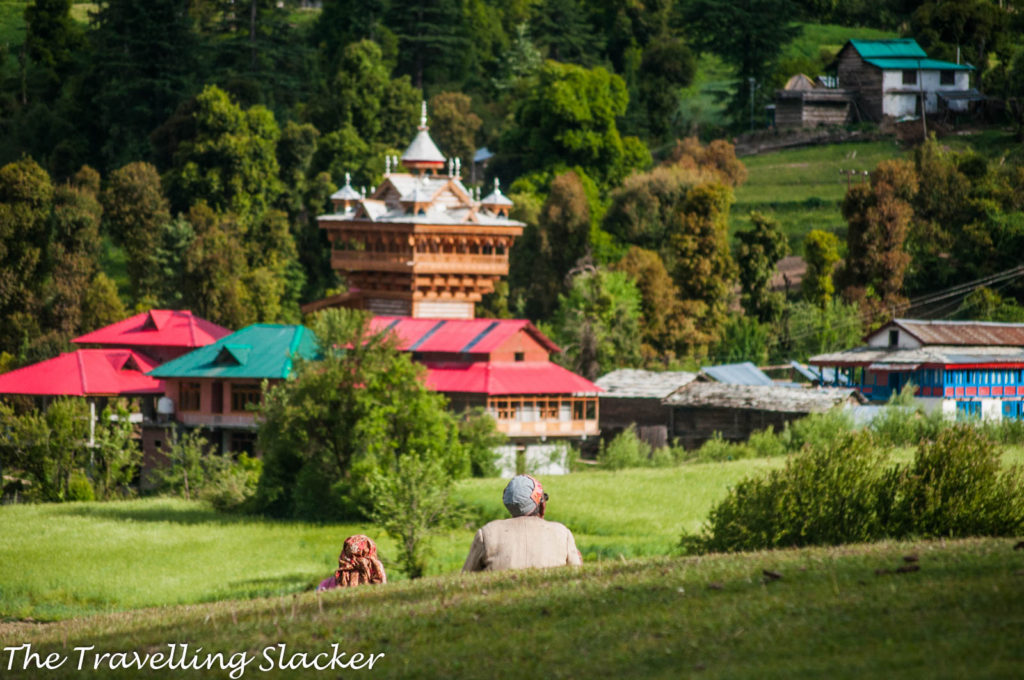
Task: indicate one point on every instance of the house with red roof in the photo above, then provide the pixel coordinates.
(163, 334)
(500, 365)
(504, 366)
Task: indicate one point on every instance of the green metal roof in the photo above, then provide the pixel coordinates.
(889, 49)
(919, 64)
(258, 351)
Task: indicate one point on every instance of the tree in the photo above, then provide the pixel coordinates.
(359, 412)
(229, 161)
(813, 329)
(569, 119)
(666, 324)
(46, 447)
(26, 197)
(667, 66)
(821, 252)
(431, 39)
(879, 215)
(144, 60)
(115, 459)
(703, 269)
(454, 126)
(977, 28)
(51, 36)
(597, 323)
(759, 251)
(363, 97)
(101, 305)
(134, 214)
(748, 35)
(561, 28)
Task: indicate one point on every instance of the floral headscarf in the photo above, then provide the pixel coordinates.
(358, 563)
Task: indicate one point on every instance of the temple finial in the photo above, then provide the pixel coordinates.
(497, 185)
(423, 114)
(387, 164)
(348, 179)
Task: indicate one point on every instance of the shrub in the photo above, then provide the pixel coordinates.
(816, 430)
(956, 486)
(231, 483)
(828, 493)
(79, 487)
(626, 450)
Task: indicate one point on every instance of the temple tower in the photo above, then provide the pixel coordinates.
(420, 244)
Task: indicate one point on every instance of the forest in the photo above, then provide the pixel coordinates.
(175, 154)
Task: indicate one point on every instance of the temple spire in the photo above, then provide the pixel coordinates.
(423, 115)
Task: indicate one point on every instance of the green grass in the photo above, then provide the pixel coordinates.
(803, 188)
(817, 37)
(831, 614)
(68, 560)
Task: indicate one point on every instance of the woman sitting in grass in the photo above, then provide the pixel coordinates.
(357, 564)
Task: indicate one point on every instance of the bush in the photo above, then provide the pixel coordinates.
(816, 430)
(231, 483)
(840, 491)
(626, 450)
(828, 493)
(80, 488)
(956, 486)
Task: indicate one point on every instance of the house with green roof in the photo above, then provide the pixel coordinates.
(214, 387)
(896, 78)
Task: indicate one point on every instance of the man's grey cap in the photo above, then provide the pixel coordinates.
(519, 495)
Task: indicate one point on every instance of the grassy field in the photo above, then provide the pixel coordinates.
(837, 613)
(60, 561)
(803, 188)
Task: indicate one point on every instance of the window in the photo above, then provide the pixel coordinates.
(947, 78)
(1013, 410)
(968, 409)
(520, 356)
(910, 77)
(189, 396)
(894, 338)
(243, 395)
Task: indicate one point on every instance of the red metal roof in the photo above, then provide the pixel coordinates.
(496, 378)
(158, 328)
(463, 336)
(85, 372)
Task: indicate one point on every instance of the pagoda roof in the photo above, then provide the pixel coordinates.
(457, 336)
(157, 328)
(85, 373)
(256, 352)
(506, 378)
(423, 150)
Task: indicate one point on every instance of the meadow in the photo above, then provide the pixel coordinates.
(849, 612)
(60, 561)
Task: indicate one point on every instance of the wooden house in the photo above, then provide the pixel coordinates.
(804, 103)
(895, 78)
(960, 368)
(635, 397)
(736, 411)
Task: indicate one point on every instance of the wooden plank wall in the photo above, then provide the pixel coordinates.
(856, 74)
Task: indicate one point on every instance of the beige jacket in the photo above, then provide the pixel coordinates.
(521, 543)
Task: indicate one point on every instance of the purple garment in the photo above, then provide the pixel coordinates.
(328, 583)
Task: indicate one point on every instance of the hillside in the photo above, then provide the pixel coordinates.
(841, 613)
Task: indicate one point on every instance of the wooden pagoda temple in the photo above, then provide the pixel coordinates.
(420, 244)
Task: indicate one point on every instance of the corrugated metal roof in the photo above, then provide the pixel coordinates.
(892, 48)
(257, 351)
(744, 373)
(463, 336)
(934, 355)
(829, 375)
(634, 383)
(157, 328)
(762, 397)
(510, 378)
(919, 65)
(973, 333)
(83, 373)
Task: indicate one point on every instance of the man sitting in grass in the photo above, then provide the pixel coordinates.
(527, 540)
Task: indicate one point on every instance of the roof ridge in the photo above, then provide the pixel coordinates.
(81, 371)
